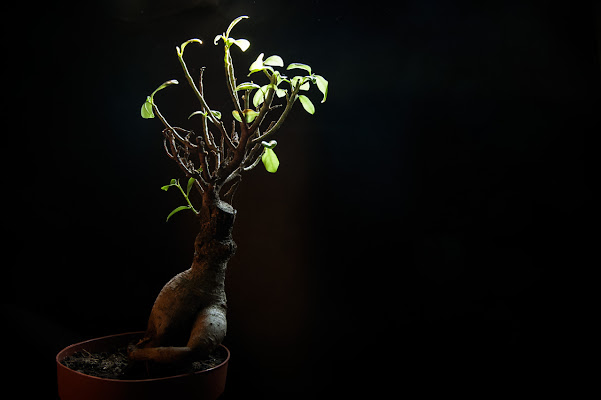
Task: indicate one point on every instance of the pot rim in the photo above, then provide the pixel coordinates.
(60, 356)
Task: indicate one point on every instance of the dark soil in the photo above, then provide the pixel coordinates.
(116, 365)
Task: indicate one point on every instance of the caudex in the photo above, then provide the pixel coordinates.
(189, 315)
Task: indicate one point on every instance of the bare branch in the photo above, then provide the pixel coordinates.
(229, 195)
(231, 81)
(205, 128)
(254, 164)
(202, 155)
(203, 103)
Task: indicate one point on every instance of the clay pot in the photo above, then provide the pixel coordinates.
(72, 385)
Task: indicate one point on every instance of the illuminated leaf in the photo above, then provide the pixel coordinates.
(299, 66)
(181, 51)
(322, 85)
(178, 209)
(257, 65)
(242, 43)
(249, 115)
(260, 95)
(164, 85)
(247, 86)
(270, 160)
(216, 114)
(297, 79)
(190, 184)
(234, 22)
(307, 104)
(146, 110)
(275, 61)
(270, 145)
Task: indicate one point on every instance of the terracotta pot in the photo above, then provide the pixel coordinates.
(72, 385)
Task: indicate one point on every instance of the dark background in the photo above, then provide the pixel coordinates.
(425, 230)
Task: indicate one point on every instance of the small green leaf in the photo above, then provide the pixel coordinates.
(181, 51)
(274, 61)
(164, 85)
(174, 181)
(242, 43)
(178, 209)
(217, 38)
(234, 22)
(260, 95)
(322, 85)
(197, 113)
(269, 145)
(270, 160)
(190, 184)
(304, 85)
(146, 110)
(257, 65)
(307, 104)
(215, 113)
(250, 115)
(300, 66)
(166, 187)
(247, 86)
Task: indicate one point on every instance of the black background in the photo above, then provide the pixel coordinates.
(425, 231)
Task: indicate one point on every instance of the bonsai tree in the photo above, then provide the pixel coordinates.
(189, 315)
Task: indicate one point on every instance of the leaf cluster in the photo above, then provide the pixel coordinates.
(216, 158)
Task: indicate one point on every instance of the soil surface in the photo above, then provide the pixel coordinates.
(116, 365)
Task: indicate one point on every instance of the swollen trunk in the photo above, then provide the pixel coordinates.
(189, 315)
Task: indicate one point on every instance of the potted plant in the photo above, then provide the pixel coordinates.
(188, 319)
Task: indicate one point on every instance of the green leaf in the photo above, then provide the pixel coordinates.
(297, 79)
(190, 184)
(299, 66)
(270, 145)
(215, 113)
(274, 61)
(242, 43)
(180, 51)
(257, 65)
(260, 95)
(307, 105)
(249, 115)
(247, 86)
(197, 113)
(166, 187)
(270, 160)
(146, 110)
(164, 85)
(234, 22)
(178, 209)
(174, 182)
(322, 85)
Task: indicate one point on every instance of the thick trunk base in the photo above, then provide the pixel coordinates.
(189, 315)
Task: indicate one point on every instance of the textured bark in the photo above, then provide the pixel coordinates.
(189, 315)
